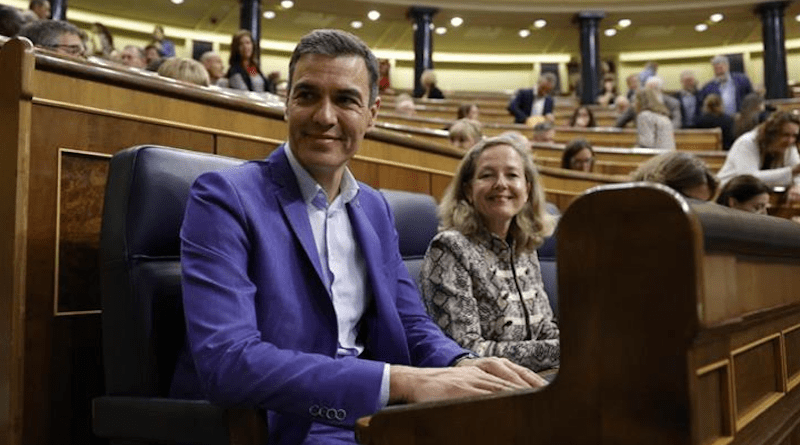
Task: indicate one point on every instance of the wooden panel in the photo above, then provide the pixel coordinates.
(80, 213)
(758, 378)
(366, 172)
(438, 185)
(791, 342)
(714, 404)
(245, 148)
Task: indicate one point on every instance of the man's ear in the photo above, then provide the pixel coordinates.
(373, 112)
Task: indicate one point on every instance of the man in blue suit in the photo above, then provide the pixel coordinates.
(296, 297)
(732, 87)
(529, 102)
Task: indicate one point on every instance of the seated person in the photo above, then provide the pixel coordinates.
(653, 127)
(469, 110)
(430, 90)
(544, 132)
(608, 91)
(295, 295)
(464, 133)
(532, 105)
(582, 117)
(713, 116)
(745, 192)
(481, 278)
(243, 70)
(186, 70)
(384, 83)
(404, 105)
(56, 35)
(768, 152)
(683, 172)
(578, 155)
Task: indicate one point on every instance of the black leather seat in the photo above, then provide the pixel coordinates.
(143, 324)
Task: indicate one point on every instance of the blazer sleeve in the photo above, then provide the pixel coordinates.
(516, 107)
(448, 293)
(235, 365)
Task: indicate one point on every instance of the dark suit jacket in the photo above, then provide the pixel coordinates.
(522, 103)
(260, 325)
(740, 82)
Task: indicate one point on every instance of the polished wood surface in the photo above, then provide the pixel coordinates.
(680, 338)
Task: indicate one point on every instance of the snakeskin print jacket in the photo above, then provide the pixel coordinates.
(489, 299)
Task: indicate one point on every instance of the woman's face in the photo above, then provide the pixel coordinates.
(499, 190)
(246, 47)
(582, 160)
(785, 139)
(582, 118)
(757, 204)
(608, 85)
(464, 143)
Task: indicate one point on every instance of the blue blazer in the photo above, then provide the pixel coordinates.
(740, 82)
(522, 104)
(261, 328)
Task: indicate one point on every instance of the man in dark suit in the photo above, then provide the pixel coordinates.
(296, 298)
(732, 87)
(689, 97)
(529, 102)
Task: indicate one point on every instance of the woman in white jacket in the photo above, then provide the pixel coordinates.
(769, 152)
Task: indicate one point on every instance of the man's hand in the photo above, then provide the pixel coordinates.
(506, 370)
(470, 378)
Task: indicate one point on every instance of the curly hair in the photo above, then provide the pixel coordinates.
(770, 131)
(528, 228)
(679, 170)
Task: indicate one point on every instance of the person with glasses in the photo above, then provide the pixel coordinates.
(56, 35)
(578, 155)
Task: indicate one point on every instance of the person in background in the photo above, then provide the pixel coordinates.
(165, 46)
(404, 105)
(243, 71)
(621, 105)
(731, 87)
(633, 84)
(469, 111)
(608, 91)
(682, 171)
(186, 70)
(56, 35)
(544, 132)
(11, 21)
(480, 279)
(768, 152)
(751, 114)
(689, 98)
(653, 127)
(745, 192)
(464, 133)
(714, 117)
(102, 42)
(430, 90)
(37, 10)
(582, 117)
(216, 70)
(673, 106)
(151, 54)
(133, 57)
(317, 333)
(650, 70)
(530, 103)
(578, 155)
(385, 83)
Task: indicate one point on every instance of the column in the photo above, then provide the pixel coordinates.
(58, 9)
(772, 32)
(250, 19)
(590, 54)
(423, 42)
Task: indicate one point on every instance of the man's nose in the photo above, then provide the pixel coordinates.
(325, 113)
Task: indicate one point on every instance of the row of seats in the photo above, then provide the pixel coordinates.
(143, 326)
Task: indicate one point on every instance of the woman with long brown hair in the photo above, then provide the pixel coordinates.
(244, 73)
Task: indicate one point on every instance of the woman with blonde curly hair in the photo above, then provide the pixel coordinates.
(481, 279)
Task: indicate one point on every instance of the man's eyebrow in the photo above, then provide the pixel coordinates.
(351, 92)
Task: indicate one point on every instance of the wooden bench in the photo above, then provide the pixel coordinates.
(680, 324)
(562, 186)
(62, 121)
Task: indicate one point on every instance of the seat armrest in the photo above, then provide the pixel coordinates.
(176, 421)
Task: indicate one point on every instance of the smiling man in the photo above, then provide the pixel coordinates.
(296, 297)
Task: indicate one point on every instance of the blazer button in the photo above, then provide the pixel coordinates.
(314, 410)
(341, 415)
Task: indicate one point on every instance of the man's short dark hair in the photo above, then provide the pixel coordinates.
(46, 33)
(11, 21)
(335, 43)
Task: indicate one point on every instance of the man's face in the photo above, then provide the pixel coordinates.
(70, 44)
(328, 111)
(130, 57)
(214, 67)
(720, 69)
(688, 83)
(151, 54)
(42, 11)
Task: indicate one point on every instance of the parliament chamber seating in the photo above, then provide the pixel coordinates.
(143, 327)
(680, 324)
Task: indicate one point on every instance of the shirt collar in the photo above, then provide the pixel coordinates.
(309, 187)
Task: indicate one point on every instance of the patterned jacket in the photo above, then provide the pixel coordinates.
(475, 293)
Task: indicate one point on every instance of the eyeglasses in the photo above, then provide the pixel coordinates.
(74, 50)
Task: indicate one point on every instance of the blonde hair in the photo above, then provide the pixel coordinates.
(528, 228)
(428, 77)
(187, 70)
(677, 169)
(466, 129)
(647, 99)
